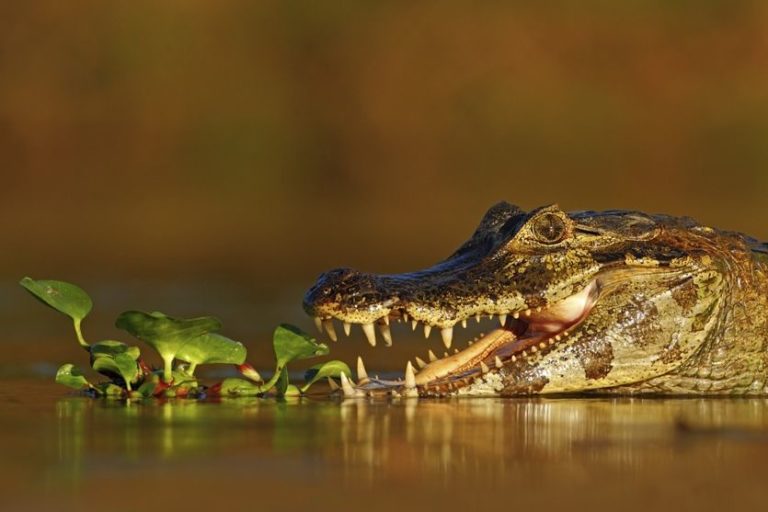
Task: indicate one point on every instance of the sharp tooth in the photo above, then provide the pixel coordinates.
(346, 386)
(432, 357)
(405, 316)
(386, 320)
(484, 367)
(527, 312)
(447, 335)
(534, 349)
(497, 362)
(370, 333)
(414, 323)
(410, 376)
(502, 319)
(516, 315)
(362, 375)
(420, 362)
(319, 324)
(464, 323)
(386, 333)
(330, 329)
(427, 330)
(446, 354)
(347, 328)
(490, 316)
(514, 358)
(332, 384)
(470, 342)
(542, 345)
(477, 317)
(455, 351)
(539, 309)
(551, 341)
(558, 337)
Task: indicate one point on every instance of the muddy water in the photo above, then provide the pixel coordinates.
(584, 454)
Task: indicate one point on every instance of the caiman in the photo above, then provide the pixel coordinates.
(614, 302)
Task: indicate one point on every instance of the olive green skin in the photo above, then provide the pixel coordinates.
(682, 307)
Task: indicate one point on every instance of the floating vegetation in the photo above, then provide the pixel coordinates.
(183, 344)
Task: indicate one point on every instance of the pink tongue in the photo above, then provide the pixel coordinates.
(565, 313)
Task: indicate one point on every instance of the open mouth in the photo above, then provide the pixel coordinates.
(519, 337)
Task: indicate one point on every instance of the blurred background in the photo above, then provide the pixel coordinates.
(215, 157)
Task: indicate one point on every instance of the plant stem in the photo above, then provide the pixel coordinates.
(168, 370)
(271, 382)
(79, 333)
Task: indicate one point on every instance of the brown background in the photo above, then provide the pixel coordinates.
(197, 156)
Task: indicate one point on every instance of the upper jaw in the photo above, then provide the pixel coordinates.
(368, 299)
(371, 300)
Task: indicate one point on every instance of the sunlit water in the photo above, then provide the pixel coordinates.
(77, 453)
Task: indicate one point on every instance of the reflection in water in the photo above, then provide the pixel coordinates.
(301, 451)
(441, 440)
(488, 438)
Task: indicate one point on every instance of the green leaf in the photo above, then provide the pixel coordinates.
(282, 384)
(147, 388)
(166, 334)
(110, 390)
(211, 348)
(120, 365)
(116, 360)
(63, 297)
(239, 387)
(292, 391)
(113, 348)
(182, 379)
(328, 369)
(291, 343)
(71, 376)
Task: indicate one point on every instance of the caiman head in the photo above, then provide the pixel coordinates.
(579, 301)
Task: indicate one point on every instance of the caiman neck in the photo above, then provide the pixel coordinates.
(734, 359)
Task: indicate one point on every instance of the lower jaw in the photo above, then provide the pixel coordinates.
(500, 348)
(469, 358)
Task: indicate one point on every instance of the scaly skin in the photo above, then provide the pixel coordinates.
(670, 306)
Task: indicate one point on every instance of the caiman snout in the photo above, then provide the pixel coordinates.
(350, 291)
(325, 288)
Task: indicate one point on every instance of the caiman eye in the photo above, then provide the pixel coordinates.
(549, 228)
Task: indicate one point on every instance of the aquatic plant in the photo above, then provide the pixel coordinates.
(183, 344)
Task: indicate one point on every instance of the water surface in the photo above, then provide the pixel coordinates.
(81, 454)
